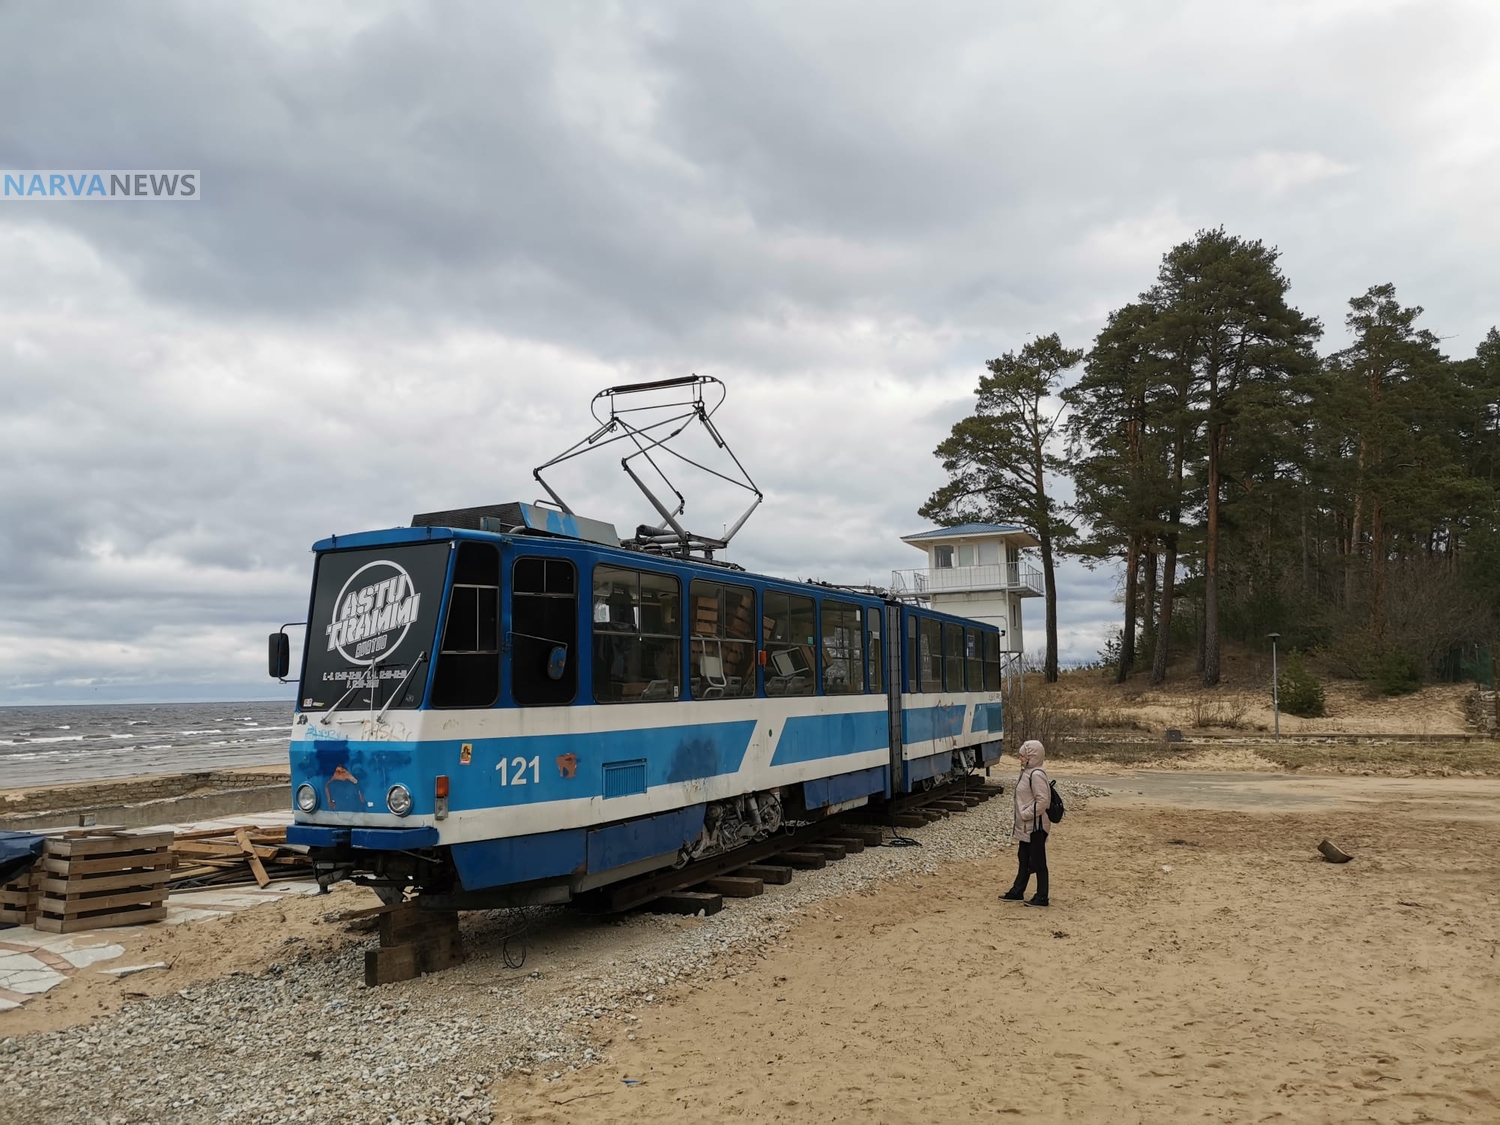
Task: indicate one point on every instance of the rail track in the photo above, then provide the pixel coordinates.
(417, 937)
(742, 873)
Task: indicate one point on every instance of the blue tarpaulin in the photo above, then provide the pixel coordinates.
(18, 851)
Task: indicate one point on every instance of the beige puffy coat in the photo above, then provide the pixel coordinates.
(1033, 792)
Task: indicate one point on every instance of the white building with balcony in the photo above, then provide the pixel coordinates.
(974, 569)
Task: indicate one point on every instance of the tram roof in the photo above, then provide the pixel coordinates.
(404, 536)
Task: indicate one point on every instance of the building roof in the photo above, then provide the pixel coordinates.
(973, 531)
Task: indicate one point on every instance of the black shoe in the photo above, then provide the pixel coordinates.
(1036, 900)
(1013, 895)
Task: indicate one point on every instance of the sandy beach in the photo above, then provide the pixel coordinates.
(1199, 964)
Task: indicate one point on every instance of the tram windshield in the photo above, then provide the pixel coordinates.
(373, 617)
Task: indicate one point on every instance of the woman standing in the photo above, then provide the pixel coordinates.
(1033, 796)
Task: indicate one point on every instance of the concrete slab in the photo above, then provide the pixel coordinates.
(231, 900)
(255, 803)
(32, 983)
(88, 955)
(22, 973)
(177, 915)
(61, 944)
(300, 887)
(270, 819)
(19, 962)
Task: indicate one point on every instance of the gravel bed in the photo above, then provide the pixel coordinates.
(304, 1040)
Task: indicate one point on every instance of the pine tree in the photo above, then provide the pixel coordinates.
(999, 459)
(1351, 503)
(1376, 386)
(1118, 462)
(1233, 339)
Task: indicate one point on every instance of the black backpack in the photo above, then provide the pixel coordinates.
(1055, 810)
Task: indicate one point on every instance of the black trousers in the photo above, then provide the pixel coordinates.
(1032, 860)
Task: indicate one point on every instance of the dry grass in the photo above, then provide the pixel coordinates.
(1098, 717)
(1385, 759)
(1102, 754)
(1220, 712)
(1087, 718)
(1242, 702)
(1036, 710)
(1479, 758)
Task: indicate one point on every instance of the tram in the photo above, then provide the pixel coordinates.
(511, 705)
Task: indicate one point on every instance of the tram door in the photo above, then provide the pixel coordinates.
(894, 639)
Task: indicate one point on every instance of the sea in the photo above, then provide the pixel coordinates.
(47, 745)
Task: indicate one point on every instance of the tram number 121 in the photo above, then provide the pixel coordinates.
(516, 773)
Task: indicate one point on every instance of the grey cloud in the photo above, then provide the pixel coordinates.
(475, 161)
(428, 234)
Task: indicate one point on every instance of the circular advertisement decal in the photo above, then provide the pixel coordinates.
(373, 613)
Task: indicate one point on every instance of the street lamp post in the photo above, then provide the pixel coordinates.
(1275, 686)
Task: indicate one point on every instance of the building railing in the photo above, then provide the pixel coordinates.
(924, 582)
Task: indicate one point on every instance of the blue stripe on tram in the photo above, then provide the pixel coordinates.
(523, 770)
(806, 738)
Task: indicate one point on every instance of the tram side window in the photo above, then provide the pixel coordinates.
(843, 649)
(543, 618)
(791, 658)
(468, 664)
(637, 636)
(953, 656)
(877, 652)
(912, 676)
(932, 654)
(974, 658)
(721, 640)
(991, 661)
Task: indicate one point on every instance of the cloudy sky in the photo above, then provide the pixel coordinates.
(428, 234)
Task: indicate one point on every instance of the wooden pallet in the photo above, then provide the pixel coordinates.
(18, 900)
(706, 615)
(739, 617)
(89, 880)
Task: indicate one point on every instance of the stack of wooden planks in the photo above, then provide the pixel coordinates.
(215, 857)
(413, 941)
(89, 878)
(19, 899)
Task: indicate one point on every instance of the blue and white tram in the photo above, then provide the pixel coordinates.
(523, 715)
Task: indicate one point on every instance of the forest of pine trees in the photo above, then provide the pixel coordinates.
(1253, 471)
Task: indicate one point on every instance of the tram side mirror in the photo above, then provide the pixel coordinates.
(557, 662)
(278, 655)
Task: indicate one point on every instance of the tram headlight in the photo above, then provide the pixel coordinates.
(398, 800)
(307, 797)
